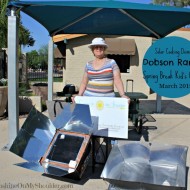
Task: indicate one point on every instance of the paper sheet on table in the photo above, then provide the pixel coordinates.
(109, 115)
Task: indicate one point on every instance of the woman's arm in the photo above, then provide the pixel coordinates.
(82, 88)
(119, 84)
(83, 84)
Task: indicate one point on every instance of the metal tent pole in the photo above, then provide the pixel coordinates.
(158, 97)
(50, 69)
(13, 105)
(158, 103)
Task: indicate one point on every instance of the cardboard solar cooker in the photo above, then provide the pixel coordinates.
(58, 148)
(146, 166)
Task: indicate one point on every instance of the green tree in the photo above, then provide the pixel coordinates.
(43, 50)
(38, 59)
(24, 34)
(43, 53)
(32, 59)
(177, 3)
(25, 38)
(3, 24)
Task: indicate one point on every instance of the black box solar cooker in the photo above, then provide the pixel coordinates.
(59, 148)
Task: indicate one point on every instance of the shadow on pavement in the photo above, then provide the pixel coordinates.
(168, 107)
(88, 174)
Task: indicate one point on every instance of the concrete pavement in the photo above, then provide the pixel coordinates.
(170, 129)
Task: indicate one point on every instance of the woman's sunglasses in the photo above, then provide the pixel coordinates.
(98, 47)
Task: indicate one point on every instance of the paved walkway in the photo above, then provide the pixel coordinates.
(171, 129)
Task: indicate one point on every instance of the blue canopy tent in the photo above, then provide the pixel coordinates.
(104, 17)
(113, 17)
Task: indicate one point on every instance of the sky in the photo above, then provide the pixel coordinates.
(41, 35)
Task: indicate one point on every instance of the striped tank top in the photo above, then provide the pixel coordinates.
(100, 82)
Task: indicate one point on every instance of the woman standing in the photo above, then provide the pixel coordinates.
(101, 74)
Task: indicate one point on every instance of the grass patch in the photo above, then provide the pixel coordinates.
(55, 79)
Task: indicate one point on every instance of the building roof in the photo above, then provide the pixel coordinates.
(62, 37)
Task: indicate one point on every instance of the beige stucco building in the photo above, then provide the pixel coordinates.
(78, 53)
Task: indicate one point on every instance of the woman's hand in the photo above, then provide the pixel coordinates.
(73, 97)
(124, 96)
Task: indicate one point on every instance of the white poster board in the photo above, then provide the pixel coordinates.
(110, 115)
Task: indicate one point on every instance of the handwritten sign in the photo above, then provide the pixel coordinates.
(109, 115)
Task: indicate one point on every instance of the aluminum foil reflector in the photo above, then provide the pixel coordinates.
(34, 137)
(146, 166)
(57, 148)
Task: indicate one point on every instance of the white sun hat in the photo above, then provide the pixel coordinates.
(98, 41)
